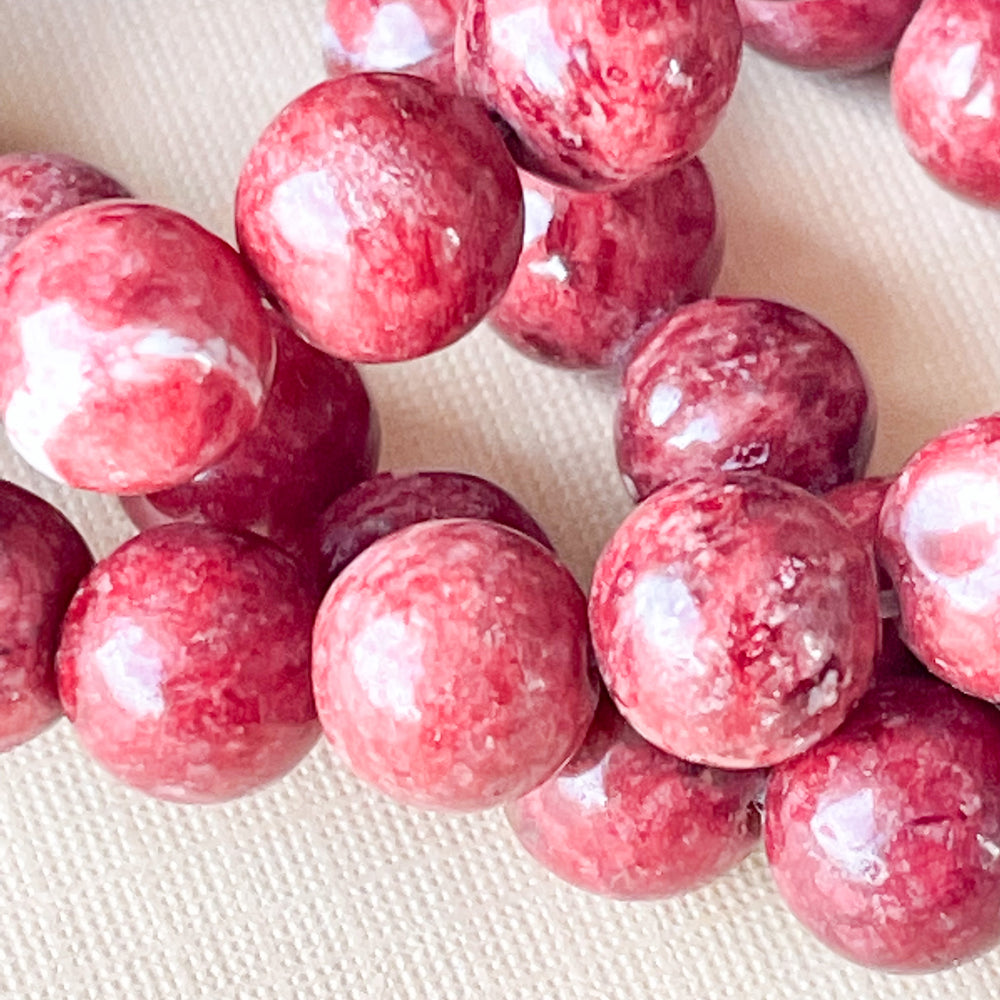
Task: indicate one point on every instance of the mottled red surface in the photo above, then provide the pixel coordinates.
(396, 36)
(185, 663)
(885, 838)
(598, 93)
(845, 35)
(42, 559)
(735, 621)
(36, 186)
(394, 500)
(940, 542)
(627, 820)
(134, 349)
(944, 82)
(384, 214)
(597, 266)
(317, 437)
(737, 384)
(451, 665)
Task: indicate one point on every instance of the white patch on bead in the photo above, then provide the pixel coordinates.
(825, 694)
(551, 267)
(958, 75)
(331, 42)
(982, 103)
(307, 211)
(397, 38)
(847, 832)
(527, 36)
(588, 788)
(669, 617)
(133, 677)
(386, 659)
(701, 430)
(664, 402)
(538, 212)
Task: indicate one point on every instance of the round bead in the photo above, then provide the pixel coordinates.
(735, 621)
(36, 186)
(885, 838)
(134, 350)
(601, 94)
(42, 560)
(384, 215)
(944, 81)
(739, 384)
(451, 665)
(940, 542)
(393, 500)
(596, 267)
(185, 666)
(626, 820)
(395, 36)
(317, 437)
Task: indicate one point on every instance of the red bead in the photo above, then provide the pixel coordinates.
(451, 664)
(940, 542)
(600, 94)
(945, 79)
(36, 186)
(383, 213)
(737, 384)
(735, 621)
(393, 500)
(885, 838)
(134, 350)
(597, 267)
(846, 35)
(317, 437)
(42, 560)
(184, 663)
(398, 36)
(627, 820)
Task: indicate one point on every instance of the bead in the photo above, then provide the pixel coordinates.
(184, 664)
(884, 839)
(36, 186)
(601, 94)
(394, 500)
(596, 267)
(739, 384)
(317, 437)
(134, 350)
(42, 560)
(626, 820)
(845, 35)
(384, 215)
(944, 82)
(451, 665)
(735, 621)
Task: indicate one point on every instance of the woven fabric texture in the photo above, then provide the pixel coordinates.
(317, 887)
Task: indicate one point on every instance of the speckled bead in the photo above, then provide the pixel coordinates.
(184, 663)
(885, 838)
(134, 349)
(451, 665)
(735, 620)
(42, 560)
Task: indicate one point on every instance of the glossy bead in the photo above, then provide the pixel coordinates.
(184, 663)
(735, 620)
(451, 665)
(394, 500)
(601, 94)
(36, 186)
(396, 36)
(885, 838)
(42, 560)
(945, 79)
(738, 384)
(626, 820)
(940, 542)
(844, 35)
(384, 215)
(317, 437)
(134, 350)
(596, 267)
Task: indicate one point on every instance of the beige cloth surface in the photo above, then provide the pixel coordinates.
(319, 888)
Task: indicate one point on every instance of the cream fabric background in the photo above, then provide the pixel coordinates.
(317, 888)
